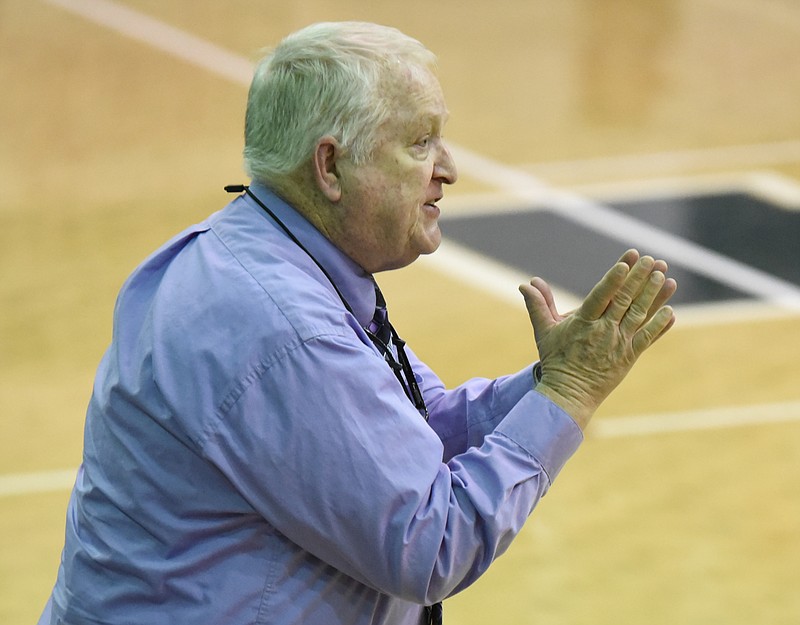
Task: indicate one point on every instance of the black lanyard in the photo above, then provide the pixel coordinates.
(402, 368)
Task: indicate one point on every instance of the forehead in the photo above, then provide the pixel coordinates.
(415, 94)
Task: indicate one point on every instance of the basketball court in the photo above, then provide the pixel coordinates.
(580, 128)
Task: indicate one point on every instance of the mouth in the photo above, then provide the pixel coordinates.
(431, 210)
(432, 204)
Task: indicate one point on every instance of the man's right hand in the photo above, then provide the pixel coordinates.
(587, 353)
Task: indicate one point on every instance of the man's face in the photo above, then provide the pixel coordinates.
(391, 216)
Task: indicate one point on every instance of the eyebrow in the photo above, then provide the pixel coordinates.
(433, 118)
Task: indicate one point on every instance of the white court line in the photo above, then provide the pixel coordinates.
(678, 422)
(17, 484)
(630, 231)
(627, 230)
(39, 482)
(738, 156)
(490, 276)
(769, 186)
(173, 41)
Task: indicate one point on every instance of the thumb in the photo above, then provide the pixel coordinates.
(539, 302)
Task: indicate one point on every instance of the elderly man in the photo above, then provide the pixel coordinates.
(260, 445)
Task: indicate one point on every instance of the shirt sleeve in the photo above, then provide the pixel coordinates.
(324, 444)
(464, 415)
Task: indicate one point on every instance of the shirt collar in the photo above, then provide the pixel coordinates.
(356, 285)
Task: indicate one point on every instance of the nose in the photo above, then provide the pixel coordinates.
(444, 168)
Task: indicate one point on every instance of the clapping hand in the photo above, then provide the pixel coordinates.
(585, 354)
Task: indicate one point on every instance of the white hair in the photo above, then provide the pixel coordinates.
(326, 79)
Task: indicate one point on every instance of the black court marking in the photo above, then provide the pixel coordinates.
(573, 257)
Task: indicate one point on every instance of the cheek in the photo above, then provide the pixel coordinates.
(415, 188)
(395, 199)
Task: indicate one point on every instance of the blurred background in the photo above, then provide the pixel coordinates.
(581, 128)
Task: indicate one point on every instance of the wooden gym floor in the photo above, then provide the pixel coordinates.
(581, 128)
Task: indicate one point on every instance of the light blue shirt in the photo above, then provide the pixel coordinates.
(249, 457)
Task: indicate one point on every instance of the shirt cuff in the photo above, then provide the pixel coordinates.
(512, 388)
(544, 430)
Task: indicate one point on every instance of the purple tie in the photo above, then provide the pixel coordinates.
(379, 326)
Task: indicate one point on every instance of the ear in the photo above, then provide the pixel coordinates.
(326, 174)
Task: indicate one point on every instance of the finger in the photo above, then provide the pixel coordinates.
(670, 323)
(637, 312)
(601, 295)
(634, 283)
(629, 258)
(547, 292)
(653, 330)
(664, 295)
(536, 295)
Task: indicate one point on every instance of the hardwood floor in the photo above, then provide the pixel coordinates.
(671, 124)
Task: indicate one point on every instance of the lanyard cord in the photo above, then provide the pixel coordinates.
(401, 368)
(238, 188)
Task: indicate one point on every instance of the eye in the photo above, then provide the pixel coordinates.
(423, 142)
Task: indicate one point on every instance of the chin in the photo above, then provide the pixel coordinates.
(430, 249)
(434, 242)
(431, 241)
(420, 247)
